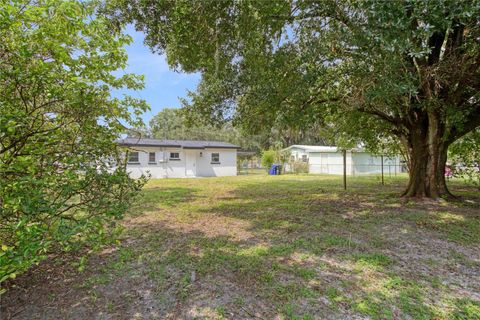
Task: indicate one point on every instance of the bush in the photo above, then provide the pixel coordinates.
(58, 124)
(268, 158)
(299, 166)
(464, 156)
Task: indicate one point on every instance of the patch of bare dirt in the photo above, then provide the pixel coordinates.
(210, 225)
(140, 290)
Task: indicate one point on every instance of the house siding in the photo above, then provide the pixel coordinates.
(226, 167)
(298, 153)
(164, 167)
(358, 163)
(365, 163)
(330, 161)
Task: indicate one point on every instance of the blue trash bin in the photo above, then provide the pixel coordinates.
(272, 170)
(275, 169)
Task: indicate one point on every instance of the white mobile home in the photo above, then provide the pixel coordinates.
(329, 160)
(180, 158)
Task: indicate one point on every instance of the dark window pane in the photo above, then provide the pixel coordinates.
(151, 157)
(133, 157)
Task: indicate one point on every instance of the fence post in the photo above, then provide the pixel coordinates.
(344, 169)
(381, 159)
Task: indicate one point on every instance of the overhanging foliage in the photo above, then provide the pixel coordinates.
(58, 124)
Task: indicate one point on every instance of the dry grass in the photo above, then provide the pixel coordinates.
(284, 247)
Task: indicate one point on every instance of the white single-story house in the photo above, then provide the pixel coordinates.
(180, 158)
(329, 160)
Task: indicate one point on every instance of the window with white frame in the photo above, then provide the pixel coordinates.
(133, 157)
(215, 157)
(151, 157)
(304, 158)
(174, 156)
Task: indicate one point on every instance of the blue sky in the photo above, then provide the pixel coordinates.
(163, 86)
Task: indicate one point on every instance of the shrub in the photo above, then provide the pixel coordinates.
(57, 129)
(268, 158)
(299, 166)
(464, 155)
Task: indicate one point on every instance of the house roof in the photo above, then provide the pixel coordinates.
(313, 148)
(185, 144)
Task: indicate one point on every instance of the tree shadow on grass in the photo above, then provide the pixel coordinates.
(316, 252)
(342, 229)
(165, 273)
(309, 205)
(369, 221)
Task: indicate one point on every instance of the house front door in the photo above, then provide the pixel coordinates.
(190, 165)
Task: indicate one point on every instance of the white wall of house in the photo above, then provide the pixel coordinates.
(366, 163)
(227, 165)
(298, 153)
(358, 163)
(191, 163)
(328, 162)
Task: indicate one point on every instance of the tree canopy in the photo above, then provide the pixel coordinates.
(176, 124)
(172, 124)
(371, 71)
(58, 125)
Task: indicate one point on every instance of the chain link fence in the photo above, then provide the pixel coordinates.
(387, 172)
(351, 170)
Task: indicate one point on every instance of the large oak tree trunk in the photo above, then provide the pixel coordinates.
(427, 156)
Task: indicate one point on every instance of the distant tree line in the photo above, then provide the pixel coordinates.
(173, 124)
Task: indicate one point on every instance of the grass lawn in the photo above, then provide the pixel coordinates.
(282, 247)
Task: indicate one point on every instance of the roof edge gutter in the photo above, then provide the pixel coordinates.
(149, 145)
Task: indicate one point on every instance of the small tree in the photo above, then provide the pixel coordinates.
(268, 158)
(58, 124)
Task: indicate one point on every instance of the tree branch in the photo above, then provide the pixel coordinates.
(471, 124)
